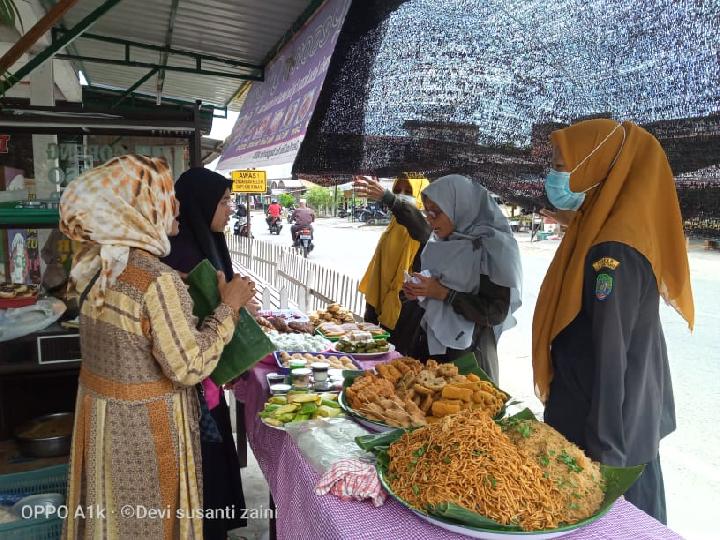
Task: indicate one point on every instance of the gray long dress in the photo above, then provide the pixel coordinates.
(611, 392)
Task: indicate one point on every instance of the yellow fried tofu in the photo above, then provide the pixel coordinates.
(453, 391)
(473, 378)
(444, 407)
(481, 396)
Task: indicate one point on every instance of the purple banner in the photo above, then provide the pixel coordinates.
(276, 112)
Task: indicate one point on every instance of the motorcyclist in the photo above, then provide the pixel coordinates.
(302, 218)
(274, 212)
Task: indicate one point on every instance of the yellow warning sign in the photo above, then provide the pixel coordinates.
(249, 181)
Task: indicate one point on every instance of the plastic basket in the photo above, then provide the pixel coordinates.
(47, 480)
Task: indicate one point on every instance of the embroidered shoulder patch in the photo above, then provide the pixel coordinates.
(603, 286)
(605, 262)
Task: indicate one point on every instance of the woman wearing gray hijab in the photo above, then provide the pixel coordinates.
(470, 284)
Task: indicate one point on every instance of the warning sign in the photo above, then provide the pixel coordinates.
(249, 181)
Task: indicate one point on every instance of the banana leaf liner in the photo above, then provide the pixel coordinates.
(617, 481)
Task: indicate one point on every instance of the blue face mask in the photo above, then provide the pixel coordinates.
(557, 187)
(557, 183)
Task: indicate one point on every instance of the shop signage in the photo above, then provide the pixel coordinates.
(275, 115)
(249, 181)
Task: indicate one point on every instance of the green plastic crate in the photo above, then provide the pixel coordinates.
(47, 480)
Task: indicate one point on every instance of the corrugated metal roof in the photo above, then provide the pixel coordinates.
(241, 30)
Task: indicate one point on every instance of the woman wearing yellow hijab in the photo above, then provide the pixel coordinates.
(599, 356)
(394, 255)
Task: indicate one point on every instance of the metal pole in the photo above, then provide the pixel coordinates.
(248, 216)
(55, 46)
(197, 137)
(178, 69)
(135, 86)
(164, 56)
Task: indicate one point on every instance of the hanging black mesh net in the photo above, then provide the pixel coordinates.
(475, 87)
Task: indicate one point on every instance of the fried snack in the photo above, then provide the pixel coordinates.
(280, 325)
(389, 372)
(367, 388)
(445, 407)
(451, 391)
(433, 390)
(426, 403)
(262, 321)
(301, 327)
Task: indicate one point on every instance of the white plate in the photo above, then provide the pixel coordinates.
(367, 356)
(281, 428)
(490, 535)
(364, 422)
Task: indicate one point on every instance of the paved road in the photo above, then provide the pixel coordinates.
(691, 455)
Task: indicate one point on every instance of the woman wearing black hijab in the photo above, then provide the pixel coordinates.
(205, 207)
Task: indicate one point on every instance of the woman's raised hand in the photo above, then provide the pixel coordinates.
(368, 188)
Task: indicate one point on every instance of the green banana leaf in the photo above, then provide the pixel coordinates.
(617, 481)
(249, 343)
(466, 364)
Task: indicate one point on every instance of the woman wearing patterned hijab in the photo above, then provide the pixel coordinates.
(136, 435)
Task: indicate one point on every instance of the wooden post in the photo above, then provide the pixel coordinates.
(309, 286)
(266, 299)
(40, 28)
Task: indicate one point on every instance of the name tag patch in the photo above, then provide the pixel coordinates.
(603, 286)
(605, 262)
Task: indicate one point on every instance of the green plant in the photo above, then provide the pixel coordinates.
(286, 200)
(9, 13)
(319, 197)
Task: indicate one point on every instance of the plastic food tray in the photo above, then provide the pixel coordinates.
(285, 370)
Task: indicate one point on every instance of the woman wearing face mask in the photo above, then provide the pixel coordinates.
(475, 275)
(599, 357)
(205, 208)
(394, 255)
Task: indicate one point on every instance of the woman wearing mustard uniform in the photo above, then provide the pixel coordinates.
(599, 357)
(395, 254)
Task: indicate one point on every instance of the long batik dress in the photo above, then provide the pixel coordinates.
(136, 440)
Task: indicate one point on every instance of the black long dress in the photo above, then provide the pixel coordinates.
(488, 308)
(611, 392)
(199, 191)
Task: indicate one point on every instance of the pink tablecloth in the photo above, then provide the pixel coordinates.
(302, 514)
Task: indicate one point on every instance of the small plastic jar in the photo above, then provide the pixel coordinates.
(279, 389)
(297, 363)
(275, 378)
(320, 371)
(300, 378)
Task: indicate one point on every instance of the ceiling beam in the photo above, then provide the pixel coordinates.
(40, 28)
(55, 46)
(171, 50)
(148, 65)
(164, 55)
(135, 86)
